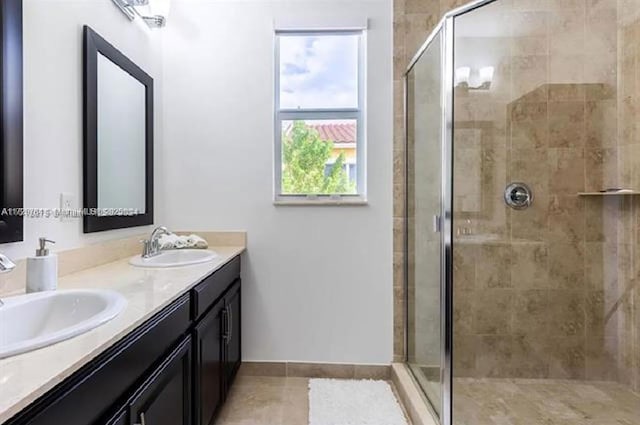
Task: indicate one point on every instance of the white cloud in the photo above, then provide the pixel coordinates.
(318, 71)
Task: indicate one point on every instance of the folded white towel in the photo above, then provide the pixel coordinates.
(174, 241)
(197, 242)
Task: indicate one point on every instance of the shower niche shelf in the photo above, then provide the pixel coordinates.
(631, 193)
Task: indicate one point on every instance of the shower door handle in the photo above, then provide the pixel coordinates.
(437, 224)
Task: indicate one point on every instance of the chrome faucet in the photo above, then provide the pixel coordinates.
(151, 247)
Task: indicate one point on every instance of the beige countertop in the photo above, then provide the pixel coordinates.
(25, 377)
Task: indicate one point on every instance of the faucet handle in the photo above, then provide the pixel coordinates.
(6, 265)
(146, 247)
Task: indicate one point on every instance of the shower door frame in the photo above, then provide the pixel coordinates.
(446, 25)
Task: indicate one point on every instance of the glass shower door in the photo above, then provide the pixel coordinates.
(424, 204)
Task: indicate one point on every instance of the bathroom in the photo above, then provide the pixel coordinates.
(459, 249)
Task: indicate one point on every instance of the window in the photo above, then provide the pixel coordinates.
(319, 96)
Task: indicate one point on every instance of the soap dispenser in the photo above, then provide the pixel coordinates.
(42, 270)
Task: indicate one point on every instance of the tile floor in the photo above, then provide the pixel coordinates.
(543, 402)
(261, 400)
(258, 400)
(265, 400)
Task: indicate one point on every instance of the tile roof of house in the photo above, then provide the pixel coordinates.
(336, 132)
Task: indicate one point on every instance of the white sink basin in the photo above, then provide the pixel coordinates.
(36, 320)
(174, 258)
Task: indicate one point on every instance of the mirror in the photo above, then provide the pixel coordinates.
(121, 128)
(118, 146)
(11, 180)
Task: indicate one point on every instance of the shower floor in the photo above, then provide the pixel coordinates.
(543, 402)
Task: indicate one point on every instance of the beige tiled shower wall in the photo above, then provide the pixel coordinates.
(552, 291)
(413, 21)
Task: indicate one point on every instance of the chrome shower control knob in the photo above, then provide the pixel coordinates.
(518, 196)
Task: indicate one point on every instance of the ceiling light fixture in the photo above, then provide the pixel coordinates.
(152, 12)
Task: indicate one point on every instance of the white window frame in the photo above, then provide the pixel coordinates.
(357, 114)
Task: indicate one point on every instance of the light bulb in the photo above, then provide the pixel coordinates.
(462, 75)
(486, 74)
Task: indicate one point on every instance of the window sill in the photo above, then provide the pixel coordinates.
(350, 202)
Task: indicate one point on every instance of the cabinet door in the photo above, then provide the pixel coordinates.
(233, 358)
(119, 418)
(208, 342)
(165, 398)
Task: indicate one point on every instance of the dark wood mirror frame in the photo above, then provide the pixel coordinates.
(94, 44)
(11, 125)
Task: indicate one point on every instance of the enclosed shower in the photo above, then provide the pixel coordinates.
(523, 213)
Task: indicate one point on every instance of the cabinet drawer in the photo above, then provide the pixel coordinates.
(210, 289)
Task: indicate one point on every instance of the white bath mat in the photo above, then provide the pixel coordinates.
(353, 402)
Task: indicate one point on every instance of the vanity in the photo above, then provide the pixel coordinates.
(156, 341)
(169, 358)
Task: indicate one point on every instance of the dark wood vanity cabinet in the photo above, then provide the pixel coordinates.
(165, 398)
(175, 369)
(217, 354)
(121, 418)
(208, 356)
(233, 341)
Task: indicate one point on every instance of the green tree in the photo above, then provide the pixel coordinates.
(304, 157)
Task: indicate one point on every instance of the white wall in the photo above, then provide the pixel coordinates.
(53, 108)
(317, 280)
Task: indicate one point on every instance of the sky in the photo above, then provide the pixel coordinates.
(319, 71)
